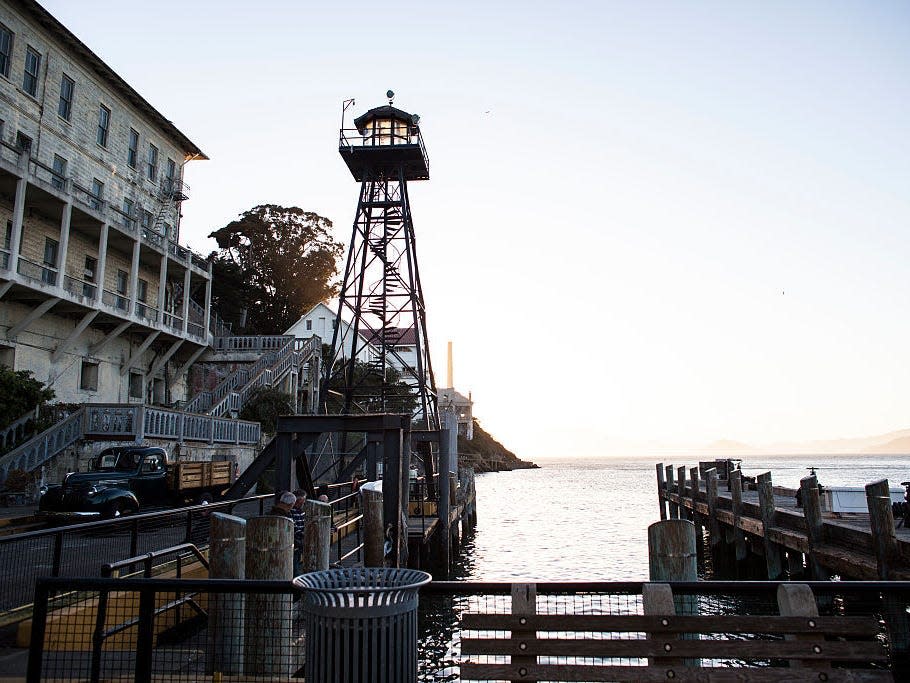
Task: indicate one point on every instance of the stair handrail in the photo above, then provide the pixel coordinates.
(15, 429)
(44, 446)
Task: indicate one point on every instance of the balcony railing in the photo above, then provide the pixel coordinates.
(80, 287)
(146, 312)
(118, 301)
(37, 271)
(195, 330)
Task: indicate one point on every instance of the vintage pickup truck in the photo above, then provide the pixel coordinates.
(124, 480)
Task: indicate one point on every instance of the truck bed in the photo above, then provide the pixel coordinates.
(199, 475)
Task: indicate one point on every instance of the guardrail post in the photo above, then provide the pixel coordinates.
(39, 625)
(145, 636)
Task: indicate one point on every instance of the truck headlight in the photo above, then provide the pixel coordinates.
(42, 490)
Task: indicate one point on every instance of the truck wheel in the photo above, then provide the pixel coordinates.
(117, 509)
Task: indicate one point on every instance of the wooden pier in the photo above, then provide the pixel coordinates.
(758, 528)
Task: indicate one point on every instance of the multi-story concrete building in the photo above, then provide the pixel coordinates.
(97, 297)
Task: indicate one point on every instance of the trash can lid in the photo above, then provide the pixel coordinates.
(362, 580)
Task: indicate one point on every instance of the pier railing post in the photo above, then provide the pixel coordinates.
(881, 520)
(766, 503)
(736, 491)
(797, 600)
(661, 490)
(524, 603)
(681, 492)
(711, 492)
(671, 486)
(815, 530)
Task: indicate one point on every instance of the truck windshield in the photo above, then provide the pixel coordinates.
(116, 461)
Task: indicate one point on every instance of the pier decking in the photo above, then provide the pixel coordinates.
(766, 521)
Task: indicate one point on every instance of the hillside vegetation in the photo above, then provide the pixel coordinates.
(486, 454)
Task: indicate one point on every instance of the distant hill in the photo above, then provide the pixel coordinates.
(486, 454)
(863, 444)
(898, 446)
(728, 447)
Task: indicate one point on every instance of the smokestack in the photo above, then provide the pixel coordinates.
(449, 384)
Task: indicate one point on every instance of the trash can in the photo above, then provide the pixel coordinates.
(361, 624)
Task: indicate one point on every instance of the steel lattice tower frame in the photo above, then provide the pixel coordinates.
(381, 309)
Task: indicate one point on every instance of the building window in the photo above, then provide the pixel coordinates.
(122, 289)
(146, 219)
(132, 152)
(152, 162)
(32, 66)
(8, 356)
(65, 106)
(135, 385)
(6, 50)
(309, 325)
(51, 247)
(104, 125)
(23, 142)
(9, 234)
(142, 290)
(88, 274)
(58, 180)
(97, 194)
(88, 377)
(127, 211)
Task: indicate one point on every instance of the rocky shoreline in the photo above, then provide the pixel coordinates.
(486, 454)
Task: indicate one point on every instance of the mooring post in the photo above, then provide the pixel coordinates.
(373, 534)
(697, 519)
(524, 604)
(269, 555)
(812, 511)
(711, 494)
(671, 487)
(797, 600)
(443, 534)
(317, 536)
(661, 490)
(227, 560)
(887, 555)
(695, 490)
(681, 492)
(736, 491)
(766, 504)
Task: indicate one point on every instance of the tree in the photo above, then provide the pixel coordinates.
(400, 397)
(265, 406)
(19, 393)
(275, 263)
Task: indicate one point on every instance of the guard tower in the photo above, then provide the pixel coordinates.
(380, 328)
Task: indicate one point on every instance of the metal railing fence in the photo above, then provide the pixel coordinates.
(81, 549)
(155, 628)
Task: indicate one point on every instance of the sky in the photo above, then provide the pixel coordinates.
(648, 225)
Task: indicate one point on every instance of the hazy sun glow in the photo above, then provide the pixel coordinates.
(648, 224)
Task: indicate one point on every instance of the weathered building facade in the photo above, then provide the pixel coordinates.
(97, 297)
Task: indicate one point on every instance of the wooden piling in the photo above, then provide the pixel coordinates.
(661, 487)
(317, 536)
(766, 504)
(711, 493)
(736, 492)
(227, 560)
(812, 512)
(671, 551)
(681, 491)
(373, 534)
(269, 555)
(671, 486)
(881, 519)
